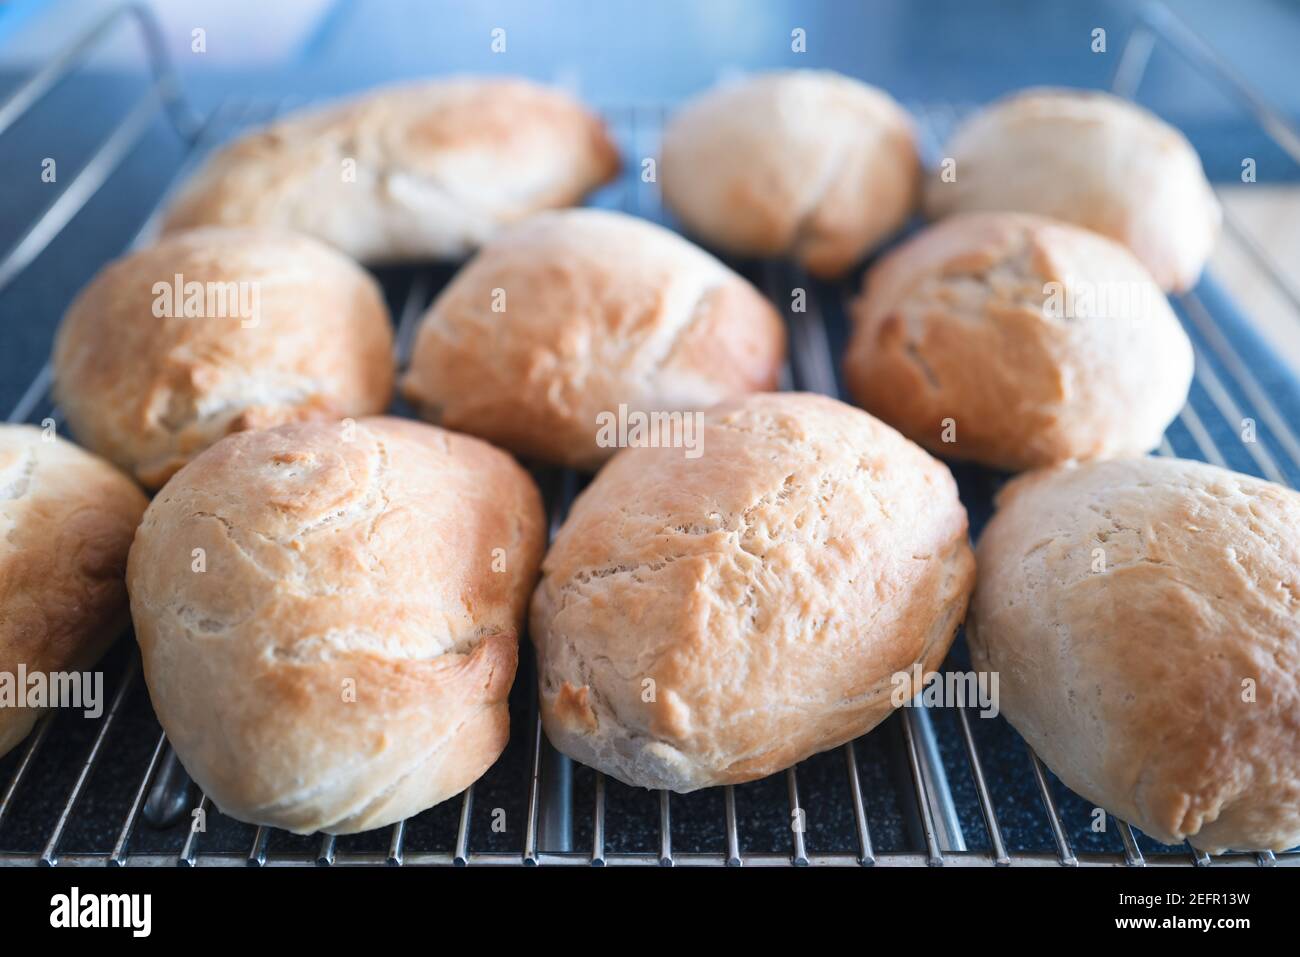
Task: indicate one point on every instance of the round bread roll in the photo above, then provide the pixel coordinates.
(1144, 616)
(1091, 159)
(807, 164)
(426, 170)
(66, 521)
(1018, 342)
(329, 614)
(571, 316)
(714, 620)
(214, 331)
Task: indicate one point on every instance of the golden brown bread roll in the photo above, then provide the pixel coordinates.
(713, 620)
(341, 658)
(568, 316)
(1018, 342)
(214, 331)
(1144, 617)
(66, 522)
(417, 171)
(801, 163)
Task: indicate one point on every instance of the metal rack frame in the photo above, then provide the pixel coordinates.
(548, 832)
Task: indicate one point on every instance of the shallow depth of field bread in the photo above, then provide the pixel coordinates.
(807, 164)
(1144, 617)
(1091, 159)
(426, 170)
(66, 522)
(713, 620)
(341, 658)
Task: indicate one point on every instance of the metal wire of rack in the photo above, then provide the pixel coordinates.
(942, 797)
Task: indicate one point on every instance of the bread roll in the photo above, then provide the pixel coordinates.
(425, 170)
(214, 331)
(1018, 342)
(341, 657)
(570, 315)
(66, 521)
(803, 163)
(1144, 616)
(1091, 159)
(713, 620)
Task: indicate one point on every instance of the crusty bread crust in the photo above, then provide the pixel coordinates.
(387, 557)
(801, 163)
(573, 313)
(66, 521)
(1091, 159)
(956, 327)
(150, 392)
(1163, 685)
(416, 171)
(712, 621)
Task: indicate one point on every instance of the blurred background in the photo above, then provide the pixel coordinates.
(619, 50)
(925, 52)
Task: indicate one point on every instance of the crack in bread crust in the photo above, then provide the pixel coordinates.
(66, 524)
(167, 384)
(766, 593)
(1130, 679)
(955, 344)
(345, 656)
(602, 311)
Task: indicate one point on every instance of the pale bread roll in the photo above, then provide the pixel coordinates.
(1018, 342)
(807, 164)
(713, 620)
(66, 522)
(288, 329)
(564, 318)
(417, 171)
(342, 660)
(1091, 159)
(1144, 617)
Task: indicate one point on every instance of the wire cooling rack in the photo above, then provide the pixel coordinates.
(928, 787)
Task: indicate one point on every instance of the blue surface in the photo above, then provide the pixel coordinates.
(925, 50)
